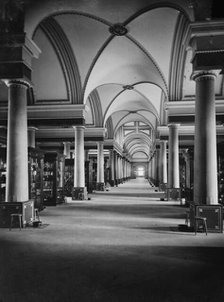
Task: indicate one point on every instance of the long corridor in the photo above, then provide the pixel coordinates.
(121, 245)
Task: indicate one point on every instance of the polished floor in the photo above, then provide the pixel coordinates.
(122, 245)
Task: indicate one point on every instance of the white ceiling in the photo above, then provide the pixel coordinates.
(130, 74)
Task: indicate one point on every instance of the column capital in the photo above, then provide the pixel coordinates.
(18, 82)
(78, 127)
(32, 128)
(100, 143)
(67, 143)
(163, 141)
(172, 125)
(204, 75)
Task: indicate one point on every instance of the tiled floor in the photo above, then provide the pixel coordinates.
(122, 245)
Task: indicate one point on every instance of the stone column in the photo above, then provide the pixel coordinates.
(31, 137)
(100, 167)
(67, 147)
(173, 175)
(112, 168)
(115, 168)
(205, 153)
(17, 188)
(154, 167)
(163, 162)
(62, 171)
(79, 190)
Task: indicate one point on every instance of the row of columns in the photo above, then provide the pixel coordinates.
(205, 145)
(205, 164)
(17, 187)
(120, 168)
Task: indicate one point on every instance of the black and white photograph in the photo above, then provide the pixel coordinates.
(111, 151)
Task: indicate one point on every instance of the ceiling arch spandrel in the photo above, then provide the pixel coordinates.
(152, 92)
(118, 116)
(123, 62)
(114, 11)
(86, 36)
(129, 100)
(107, 93)
(47, 74)
(154, 30)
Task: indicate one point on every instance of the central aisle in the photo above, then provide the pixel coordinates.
(138, 187)
(115, 247)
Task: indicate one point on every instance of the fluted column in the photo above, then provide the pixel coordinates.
(173, 176)
(17, 143)
(100, 167)
(205, 152)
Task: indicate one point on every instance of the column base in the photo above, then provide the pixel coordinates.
(100, 186)
(173, 194)
(79, 193)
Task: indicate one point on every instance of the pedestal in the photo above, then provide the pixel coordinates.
(79, 193)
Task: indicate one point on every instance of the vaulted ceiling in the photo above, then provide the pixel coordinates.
(126, 61)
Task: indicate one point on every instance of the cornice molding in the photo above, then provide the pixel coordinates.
(207, 28)
(177, 65)
(96, 107)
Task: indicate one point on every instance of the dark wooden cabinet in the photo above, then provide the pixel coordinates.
(26, 208)
(36, 165)
(2, 173)
(221, 173)
(52, 193)
(68, 177)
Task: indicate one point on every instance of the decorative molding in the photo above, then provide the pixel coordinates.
(132, 39)
(177, 65)
(64, 51)
(199, 76)
(128, 87)
(96, 107)
(18, 83)
(118, 29)
(109, 127)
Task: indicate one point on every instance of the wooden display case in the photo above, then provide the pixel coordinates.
(52, 193)
(36, 165)
(68, 177)
(2, 173)
(221, 173)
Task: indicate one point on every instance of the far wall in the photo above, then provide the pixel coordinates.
(137, 168)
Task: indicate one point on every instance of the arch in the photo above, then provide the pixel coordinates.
(66, 57)
(95, 103)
